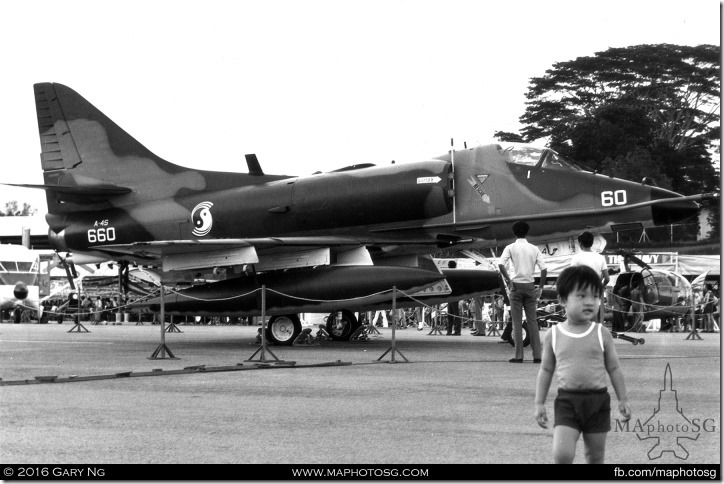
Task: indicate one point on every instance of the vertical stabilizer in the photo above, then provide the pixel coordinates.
(87, 159)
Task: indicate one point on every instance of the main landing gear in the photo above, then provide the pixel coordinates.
(284, 329)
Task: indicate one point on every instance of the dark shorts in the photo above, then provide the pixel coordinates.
(588, 411)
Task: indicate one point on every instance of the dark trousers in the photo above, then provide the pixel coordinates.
(522, 298)
(453, 318)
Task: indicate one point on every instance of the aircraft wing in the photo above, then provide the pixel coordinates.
(267, 253)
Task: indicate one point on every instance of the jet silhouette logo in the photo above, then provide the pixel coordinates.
(668, 428)
(202, 219)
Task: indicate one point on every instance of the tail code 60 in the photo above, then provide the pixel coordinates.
(101, 235)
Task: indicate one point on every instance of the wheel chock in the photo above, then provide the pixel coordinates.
(305, 338)
(322, 334)
(359, 335)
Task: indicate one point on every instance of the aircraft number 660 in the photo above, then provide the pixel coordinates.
(102, 235)
(609, 198)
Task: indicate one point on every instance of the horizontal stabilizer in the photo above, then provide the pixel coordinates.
(87, 193)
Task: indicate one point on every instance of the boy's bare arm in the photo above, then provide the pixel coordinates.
(613, 368)
(619, 387)
(543, 384)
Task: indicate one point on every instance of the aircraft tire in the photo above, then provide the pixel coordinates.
(17, 315)
(283, 329)
(343, 330)
(526, 336)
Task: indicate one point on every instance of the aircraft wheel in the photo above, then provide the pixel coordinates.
(341, 330)
(526, 336)
(17, 315)
(283, 329)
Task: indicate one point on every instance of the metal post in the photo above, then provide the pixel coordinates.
(263, 350)
(694, 334)
(263, 318)
(162, 349)
(452, 165)
(393, 348)
(394, 325)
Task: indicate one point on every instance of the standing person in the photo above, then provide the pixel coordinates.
(86, 308)
(453, 311)
(586, 257)
(522, 291)
(580, 352)
(621, 305)
(707, 309)
(97, 311)
(638, 305)
(477, 315)
(498, 311)
(453, 319)
(594, 260)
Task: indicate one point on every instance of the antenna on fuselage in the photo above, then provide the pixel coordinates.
(253, 163)
(452, 177)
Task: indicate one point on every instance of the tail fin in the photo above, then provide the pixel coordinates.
(88, 161)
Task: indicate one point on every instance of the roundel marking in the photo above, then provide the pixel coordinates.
(202, 219)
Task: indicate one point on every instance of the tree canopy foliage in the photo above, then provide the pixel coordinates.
(12, 210)
(645, 110)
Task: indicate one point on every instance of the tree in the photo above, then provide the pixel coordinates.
(658, 101)
(509, 137)
(11, 210)
(636, 164)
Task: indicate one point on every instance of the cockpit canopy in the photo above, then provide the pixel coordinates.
(534, 157)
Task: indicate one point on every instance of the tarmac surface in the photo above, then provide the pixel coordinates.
(457, 400)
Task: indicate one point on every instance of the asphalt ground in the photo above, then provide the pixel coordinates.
(457, 400)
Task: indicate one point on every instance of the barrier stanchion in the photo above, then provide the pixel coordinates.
(435, 322)
(371, 327)
(263, 350)
(393, 348)
(694, 334)
(172, 327)
(78, 326)
(162, 350)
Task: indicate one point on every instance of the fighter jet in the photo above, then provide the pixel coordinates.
(19, 282)
(323, 242)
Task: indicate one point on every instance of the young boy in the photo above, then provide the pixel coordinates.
(580, 352)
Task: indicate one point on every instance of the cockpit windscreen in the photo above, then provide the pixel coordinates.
(534, 157)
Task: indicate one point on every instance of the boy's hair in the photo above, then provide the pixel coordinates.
(586, 239)
(520, 229)
(581, 277)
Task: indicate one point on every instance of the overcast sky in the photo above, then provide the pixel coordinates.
(306, 85)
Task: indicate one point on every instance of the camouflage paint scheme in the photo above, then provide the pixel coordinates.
(110, 198)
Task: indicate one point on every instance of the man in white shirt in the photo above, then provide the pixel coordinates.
(522, 291)
(594, 260)
(586, 257)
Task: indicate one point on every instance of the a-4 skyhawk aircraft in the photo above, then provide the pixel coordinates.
(323, 242)
(19, 282)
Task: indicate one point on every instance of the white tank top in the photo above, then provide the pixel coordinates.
(580, 361)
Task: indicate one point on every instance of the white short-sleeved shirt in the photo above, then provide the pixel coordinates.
(524, 256)
(594, 260)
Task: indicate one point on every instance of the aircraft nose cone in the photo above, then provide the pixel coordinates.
(20, 291)
(675, 209)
